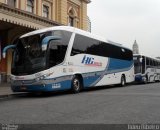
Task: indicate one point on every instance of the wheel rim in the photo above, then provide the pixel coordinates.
(145, 80)
(123, 82)
(76, 84)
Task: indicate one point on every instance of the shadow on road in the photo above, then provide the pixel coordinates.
(66, 93)
(63, 93)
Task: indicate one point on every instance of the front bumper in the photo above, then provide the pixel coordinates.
(64, 85)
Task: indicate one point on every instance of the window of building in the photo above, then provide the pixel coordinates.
(11, 3)
(45, 11)
(30, 6)
(71, 17)
(71, 21)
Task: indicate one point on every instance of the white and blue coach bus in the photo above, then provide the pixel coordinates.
(63, 58)
(146, 69)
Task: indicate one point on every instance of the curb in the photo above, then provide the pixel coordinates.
(5, 96)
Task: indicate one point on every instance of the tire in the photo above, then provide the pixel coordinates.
(76, 84)
(123, 81)
(146, 80)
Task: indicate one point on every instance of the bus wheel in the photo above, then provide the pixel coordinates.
(123, 81)
(76, 84)
(145, 80)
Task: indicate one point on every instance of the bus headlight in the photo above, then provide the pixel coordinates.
(37, 79)
(41, 78)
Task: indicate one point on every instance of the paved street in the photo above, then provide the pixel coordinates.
(113, 105)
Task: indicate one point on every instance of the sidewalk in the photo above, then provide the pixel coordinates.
(5, 90)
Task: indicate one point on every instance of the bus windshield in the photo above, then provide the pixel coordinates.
(28, 57)
(137, 64)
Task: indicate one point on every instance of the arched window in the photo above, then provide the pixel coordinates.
(72, 17)
(71, 21)
(30, 6)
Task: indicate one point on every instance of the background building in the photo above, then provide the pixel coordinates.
(135, 48)
(88, 24)
(21, 16)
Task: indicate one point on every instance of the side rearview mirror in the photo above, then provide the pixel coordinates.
(46, 41)
(140, 60)
(6, 48)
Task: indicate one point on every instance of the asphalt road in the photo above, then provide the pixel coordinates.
(110, 105)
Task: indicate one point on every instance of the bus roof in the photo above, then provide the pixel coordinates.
(74, 30)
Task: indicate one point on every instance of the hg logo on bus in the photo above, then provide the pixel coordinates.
(89, 61)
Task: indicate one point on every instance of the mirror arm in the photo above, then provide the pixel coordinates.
(46, 40)
(6, 48)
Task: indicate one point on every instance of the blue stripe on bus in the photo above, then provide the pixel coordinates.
(114, 66)
(102, 74)
(88, 81)
(117, 64)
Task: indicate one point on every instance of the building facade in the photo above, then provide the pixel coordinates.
(21, 16)
(88, 24)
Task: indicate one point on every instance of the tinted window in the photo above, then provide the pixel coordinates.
(83, 44)
(147, 61)
(143, 65)
(151, 62)
(57, 48)
(87, 45)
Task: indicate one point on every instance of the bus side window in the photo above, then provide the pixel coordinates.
(56, 53)
(151, 63)
(143, 65)
(147, 62)
(52, 55)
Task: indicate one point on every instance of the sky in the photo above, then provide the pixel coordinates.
(124, 21)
